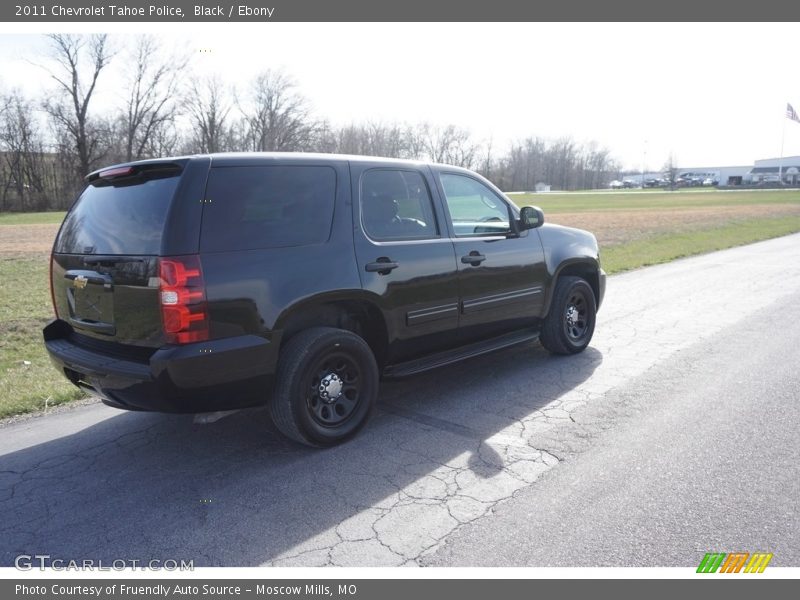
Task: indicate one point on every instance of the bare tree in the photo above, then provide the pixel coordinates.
(449, 144)
(277, 115)
(208, 107)
(487, 164)
(562, 163)
(671, 171)
(164, 140)
(79, 61)
(23, 170)
(369, 139)
(151, 104)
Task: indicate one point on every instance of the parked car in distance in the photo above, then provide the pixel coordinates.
(624, 184)
(217, 282)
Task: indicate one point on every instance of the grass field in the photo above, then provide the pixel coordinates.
(554, 203)
(634, 229)
(37, 218)
(637, 229)
(670, 246)
(28, 381)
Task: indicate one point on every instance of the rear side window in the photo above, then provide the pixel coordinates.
(267, 207)
(123, 216)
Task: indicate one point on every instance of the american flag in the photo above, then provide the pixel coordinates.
(791, 113)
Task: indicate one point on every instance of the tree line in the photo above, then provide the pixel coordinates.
(47, 145)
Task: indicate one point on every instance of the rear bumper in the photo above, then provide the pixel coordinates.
(216, 375)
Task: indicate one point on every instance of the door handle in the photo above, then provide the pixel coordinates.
(474, 258)
(382, 266)
(89, 277)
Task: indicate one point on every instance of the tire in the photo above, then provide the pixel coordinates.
(569, 325)
(326, 387)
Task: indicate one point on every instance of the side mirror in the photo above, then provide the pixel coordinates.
(530, 217)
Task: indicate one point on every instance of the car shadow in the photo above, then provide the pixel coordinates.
(142, 486)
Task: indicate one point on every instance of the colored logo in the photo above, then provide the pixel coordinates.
(734, 562)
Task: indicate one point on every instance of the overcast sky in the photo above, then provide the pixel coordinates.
(712, 94)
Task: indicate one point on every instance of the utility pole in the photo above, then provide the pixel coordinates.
(644, 161)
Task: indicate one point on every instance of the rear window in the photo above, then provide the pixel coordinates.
(267, 207)
(120, 217)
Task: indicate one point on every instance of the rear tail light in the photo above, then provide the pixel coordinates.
(182, 294)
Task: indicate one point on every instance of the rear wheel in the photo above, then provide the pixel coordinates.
(326, 386)
(569, 326)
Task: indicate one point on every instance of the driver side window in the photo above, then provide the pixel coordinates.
(474, 209)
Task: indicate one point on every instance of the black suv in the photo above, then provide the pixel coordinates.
(210, 283)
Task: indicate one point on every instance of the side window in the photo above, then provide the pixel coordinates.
(474, 209)
(396, 205)
(267, 207)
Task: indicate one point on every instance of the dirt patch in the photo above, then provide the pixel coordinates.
(27, 239)
(622, 226)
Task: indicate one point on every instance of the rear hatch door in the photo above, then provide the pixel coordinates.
(105, 258)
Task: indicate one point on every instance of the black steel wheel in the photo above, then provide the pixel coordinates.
(569, 325)
(333, 389)
(576, 315)
(326, 386)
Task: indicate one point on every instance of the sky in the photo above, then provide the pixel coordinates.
(710, 94)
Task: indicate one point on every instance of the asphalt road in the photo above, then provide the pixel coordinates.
(702, 457)
(674, 434)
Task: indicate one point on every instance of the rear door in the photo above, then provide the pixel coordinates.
(405, 257)
(501, 273)
(104, 266)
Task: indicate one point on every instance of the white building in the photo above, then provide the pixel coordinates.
(772, 170)
(733, 175)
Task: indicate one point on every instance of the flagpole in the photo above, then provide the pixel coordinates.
(780, 160)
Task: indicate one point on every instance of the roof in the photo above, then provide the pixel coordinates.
(773, 169)
(305, 156)
(241, 158)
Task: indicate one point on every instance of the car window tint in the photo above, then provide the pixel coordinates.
(125, 217)
(474, 208)
(267, 207)
(396, 205)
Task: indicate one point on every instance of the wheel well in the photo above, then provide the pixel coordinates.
(361, 317)
(584, 271)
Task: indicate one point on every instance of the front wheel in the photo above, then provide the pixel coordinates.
(326, 386)
(569, 326)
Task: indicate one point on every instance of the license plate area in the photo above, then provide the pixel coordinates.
(90, 298)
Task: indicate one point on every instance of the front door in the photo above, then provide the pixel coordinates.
(501, 273)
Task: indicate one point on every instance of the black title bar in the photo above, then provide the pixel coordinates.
(263, 11)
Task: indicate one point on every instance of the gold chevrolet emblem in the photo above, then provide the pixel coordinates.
(80, 282)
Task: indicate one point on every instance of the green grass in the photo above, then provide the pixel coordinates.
(35, 218)
(612, 201)
(666, 247)
(24, 309)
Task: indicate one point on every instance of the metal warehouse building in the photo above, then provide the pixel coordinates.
(764, 171)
